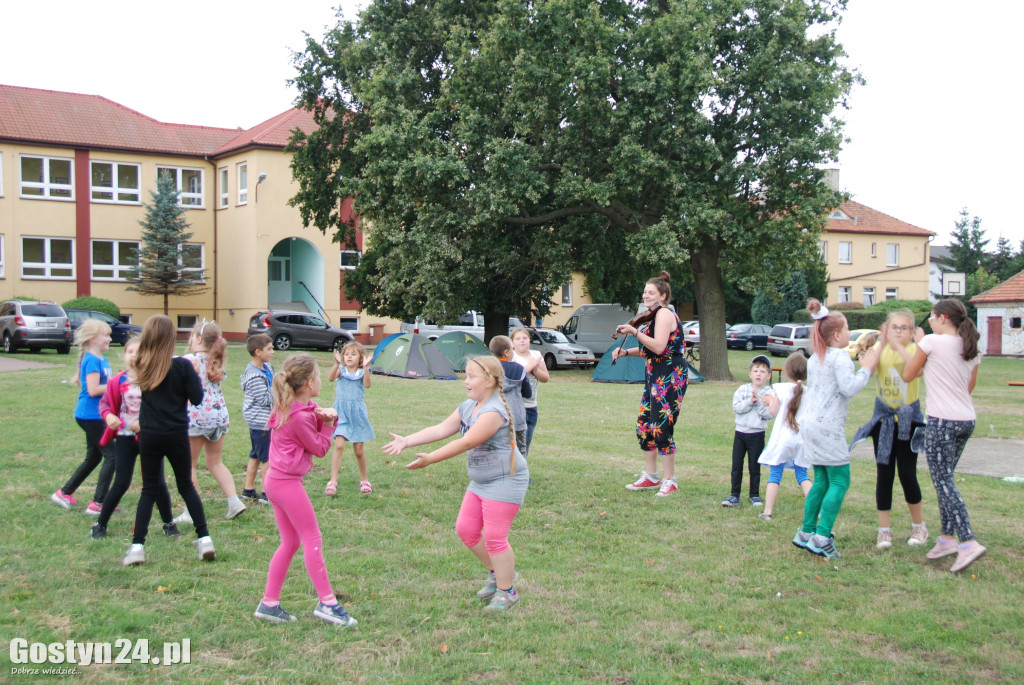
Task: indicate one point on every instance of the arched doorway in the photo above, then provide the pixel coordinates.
(295, 277)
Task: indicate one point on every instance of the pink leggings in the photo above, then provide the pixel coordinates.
(296, 522)
(486, 516)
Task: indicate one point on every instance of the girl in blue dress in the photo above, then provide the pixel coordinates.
(352, 375)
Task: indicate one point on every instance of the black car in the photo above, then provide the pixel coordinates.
(34, 325)
(748, 336)
(119, 330)
(297, 329)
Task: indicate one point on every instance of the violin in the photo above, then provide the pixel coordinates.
(637, 321)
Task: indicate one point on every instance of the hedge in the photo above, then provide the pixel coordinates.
(873, 317)
(95, 303)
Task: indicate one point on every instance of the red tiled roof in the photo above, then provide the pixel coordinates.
(863, 219)
(74, 120)
(1010, 290)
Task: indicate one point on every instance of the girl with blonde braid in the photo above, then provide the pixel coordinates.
(497, 470)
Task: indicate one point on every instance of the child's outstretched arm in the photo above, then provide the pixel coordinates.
(485, 427)
(335, 368)
(773, 403)
(366, 371)
(445, 429)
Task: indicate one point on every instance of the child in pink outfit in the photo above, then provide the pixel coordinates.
(299, 430)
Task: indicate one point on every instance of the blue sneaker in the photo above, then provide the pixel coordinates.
(802, 539)
(334, 614)
(823, 546)
(731, 501)
(273, 614)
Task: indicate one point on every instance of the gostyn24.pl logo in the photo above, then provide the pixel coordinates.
(121, 651)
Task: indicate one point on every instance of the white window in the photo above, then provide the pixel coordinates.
(1, 174)
(192, 257)
(874, 250)
(48, 258)
(224, 187)
(844, 293)
(113, 260)
(567, 295)
(187, 322)
(350, 258)
(892, 294)
(243, 183)
(188, 182)
(48, 177)
(823, 249)
(892, 254)
(3, 255)
(869, 297)
(348, 323)
(115, 182)
(845, 252)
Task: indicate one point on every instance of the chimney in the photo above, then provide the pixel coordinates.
(832, 179)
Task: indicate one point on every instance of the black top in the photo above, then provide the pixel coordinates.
(165, 408)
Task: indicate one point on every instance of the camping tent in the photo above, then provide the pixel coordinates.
(413, 356)
(381, 345)
(631, 369)
(458, 347)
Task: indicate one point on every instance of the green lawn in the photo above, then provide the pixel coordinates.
(616, 586)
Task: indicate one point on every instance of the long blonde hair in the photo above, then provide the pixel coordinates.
(493, 370)
(84, 335)
(216, 348)
(795, 369)
(296, 371)
(156, 352)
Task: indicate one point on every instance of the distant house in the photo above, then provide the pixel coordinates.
(1000, 310)
(872, 256)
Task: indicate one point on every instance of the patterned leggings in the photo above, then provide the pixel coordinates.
(944, 442)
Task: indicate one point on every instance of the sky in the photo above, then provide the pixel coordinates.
(933, 129)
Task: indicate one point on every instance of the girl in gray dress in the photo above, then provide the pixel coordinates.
(498, 475)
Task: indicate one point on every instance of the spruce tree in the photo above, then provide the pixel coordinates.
(161, 256)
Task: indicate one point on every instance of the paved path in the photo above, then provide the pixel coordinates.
(8, 363)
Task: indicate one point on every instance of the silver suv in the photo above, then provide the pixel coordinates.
(34, 325)
(787, 338)
(297, 329)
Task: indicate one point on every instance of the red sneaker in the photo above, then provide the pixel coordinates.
(61, 500)
(645, 482)
(668, 486)
(94, 509)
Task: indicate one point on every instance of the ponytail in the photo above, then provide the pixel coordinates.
(216, 348)
(296, 371)
(956, 312)
(795, 369)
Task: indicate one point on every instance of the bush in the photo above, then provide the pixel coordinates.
(96, 303)
(874, 316)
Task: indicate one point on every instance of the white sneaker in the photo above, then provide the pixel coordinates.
(918, 536)
(136, 555)
(234, 510)
(204, 549)
(184, 518)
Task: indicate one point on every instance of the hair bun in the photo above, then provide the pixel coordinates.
(665, 277)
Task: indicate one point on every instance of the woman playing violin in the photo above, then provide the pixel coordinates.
(661, 344)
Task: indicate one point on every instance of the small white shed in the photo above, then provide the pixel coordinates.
(1000, 314)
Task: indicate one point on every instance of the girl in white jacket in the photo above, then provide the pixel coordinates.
(785, 447)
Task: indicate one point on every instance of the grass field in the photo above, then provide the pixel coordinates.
(616, 586)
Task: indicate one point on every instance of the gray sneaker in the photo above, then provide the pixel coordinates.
(335, 613)
(136, 555)
(204, 549)
(756, 502)
(501, 601)
(731, 501)
(234, 510)
(491, 586)
(273, 614)
(802, 539)
(765, 517)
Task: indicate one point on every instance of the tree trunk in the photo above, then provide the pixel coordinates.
(166, 309)
(710, 294)
(496, 323)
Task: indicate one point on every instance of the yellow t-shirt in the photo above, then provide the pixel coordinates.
(889, 376)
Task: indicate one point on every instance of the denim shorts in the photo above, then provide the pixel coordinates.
(260, 440)
(213, 434)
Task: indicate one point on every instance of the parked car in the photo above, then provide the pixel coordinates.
(748, 336)
(297, 329)
(691, 332)
(557, 350)
(787, 338)
(119, 330)
(34, 325)
(469, 322)
(855, 347)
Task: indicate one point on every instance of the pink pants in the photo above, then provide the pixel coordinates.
(296, 522)
(486, 516)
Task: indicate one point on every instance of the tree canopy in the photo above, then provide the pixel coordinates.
(494, 146)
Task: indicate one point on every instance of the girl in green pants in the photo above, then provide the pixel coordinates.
(831, 382)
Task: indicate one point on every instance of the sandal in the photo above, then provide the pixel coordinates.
(364, 487)
(332, 488)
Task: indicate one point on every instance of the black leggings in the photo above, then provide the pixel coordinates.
(126, 449)
(152, 450)
(94, 454)
(902, 460)
(752, 444)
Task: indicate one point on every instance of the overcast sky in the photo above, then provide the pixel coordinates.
(935, 127)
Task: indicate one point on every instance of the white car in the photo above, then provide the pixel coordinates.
(691, 332)
(557, 350)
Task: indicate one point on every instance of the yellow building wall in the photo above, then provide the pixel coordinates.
(910, 277)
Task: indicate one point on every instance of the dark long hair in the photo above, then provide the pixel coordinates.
(956, 312)
(795, 369)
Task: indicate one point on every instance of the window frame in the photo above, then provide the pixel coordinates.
(1, 176)
(48, 264)
(202, 259)
(117, 268)
(182, 194)
(242, 174)
(224, 191)
(3, 256)
(844, 294)
(115, 189)
(566, 294)
(823, 249)
(341, 259)
(874, 250)
(866, 292)
(895, 294)
(47, 186)
(849, 253)
(188, 326)
(892, 254)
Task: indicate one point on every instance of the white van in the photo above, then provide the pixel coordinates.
(469, 322)
(592, 325)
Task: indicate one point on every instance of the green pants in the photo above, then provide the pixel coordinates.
(825, 498)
